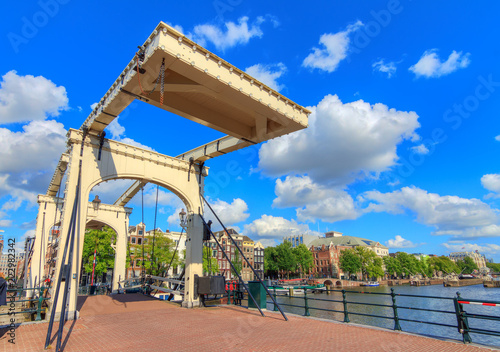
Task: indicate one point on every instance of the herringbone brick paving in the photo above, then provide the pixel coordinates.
(139, 323)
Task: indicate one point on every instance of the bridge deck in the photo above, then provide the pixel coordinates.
(138, 323)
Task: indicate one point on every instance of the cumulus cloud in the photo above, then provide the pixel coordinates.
(268, 74)
(342, 142)
(388, 68)
(314, 201)
(430, 65)
(229, 213)
(40, 143)
(492, 183)
(400, 242)
(334, 48)
(450, 215)
(497, 138)
(420, 149)
(29, 98)
(117, 132)
(471, 247)
(232, 35)
(272, 227)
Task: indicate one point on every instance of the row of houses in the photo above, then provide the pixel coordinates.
(253, 251)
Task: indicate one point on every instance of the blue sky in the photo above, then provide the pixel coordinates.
(404, 135)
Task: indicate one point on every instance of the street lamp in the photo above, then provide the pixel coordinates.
(183, 218)
(96, 203)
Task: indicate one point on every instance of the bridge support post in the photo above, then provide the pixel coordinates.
(194, 260)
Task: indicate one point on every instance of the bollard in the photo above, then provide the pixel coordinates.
(306, 306)
(290, 291)
(397, 326)
(344, 301)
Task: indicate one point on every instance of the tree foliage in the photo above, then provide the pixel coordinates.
(495, 267)
(286, 260)
(99, 240)
(237, 263)
(350, 262)
(304, 258)
(210, 262)
(466, 266)
(442, 264)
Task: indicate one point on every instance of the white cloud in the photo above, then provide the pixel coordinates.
(228, 213)
(271, 227)
(420, 149)
(430, 65)
(492, 183)
(386, 67)
(268, 74)
(400, 242)
(40, 144)
(335, 48)
(470, 247)
(29, 98)
(117, 132)
(232, 35)
(342, 142)
(497, 138)
(314, 201)
(450, 215)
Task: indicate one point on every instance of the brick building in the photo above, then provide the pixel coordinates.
(326, 252)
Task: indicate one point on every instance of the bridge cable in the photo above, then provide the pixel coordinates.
(143, 271)
(243, 256)
(154, 232)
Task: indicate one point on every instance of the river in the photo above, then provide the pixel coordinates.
(467, 292)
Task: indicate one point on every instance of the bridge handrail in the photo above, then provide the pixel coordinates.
(462, 325)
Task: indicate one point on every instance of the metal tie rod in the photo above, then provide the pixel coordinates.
(243, 255)
(234, 269)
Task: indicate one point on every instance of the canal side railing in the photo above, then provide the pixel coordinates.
(18, 306)
(347, 303)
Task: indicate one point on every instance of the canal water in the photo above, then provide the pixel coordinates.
(326, 301)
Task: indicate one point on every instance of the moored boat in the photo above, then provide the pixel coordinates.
(370, 283)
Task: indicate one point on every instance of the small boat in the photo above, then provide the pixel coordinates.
(370, 283)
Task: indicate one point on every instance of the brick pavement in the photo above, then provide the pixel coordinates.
(139, 323)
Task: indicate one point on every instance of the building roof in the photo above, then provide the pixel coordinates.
(247, 239)
(350, 241)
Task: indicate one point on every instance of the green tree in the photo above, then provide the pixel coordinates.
(375, 269)
(494, 267)
(392, 266)
(271, 261)
(285, 258)
(304, 258)
(157, 254)
(409, 264)
(467, 266)
(442, 264)
(237, 263)
(367, 256)
(210, 262)
(105, 255)
(349, 261)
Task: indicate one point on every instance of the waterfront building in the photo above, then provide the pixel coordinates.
(258, 259)
(137, 235)
(297, 240)
(229, 248)
(478, 258)
(248, 251)
(326, 252)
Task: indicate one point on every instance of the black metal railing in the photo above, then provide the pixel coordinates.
(348, 302)
(17, 303)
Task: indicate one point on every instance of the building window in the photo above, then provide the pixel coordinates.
(133, 240)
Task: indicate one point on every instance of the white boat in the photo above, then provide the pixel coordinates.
(370, 283)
